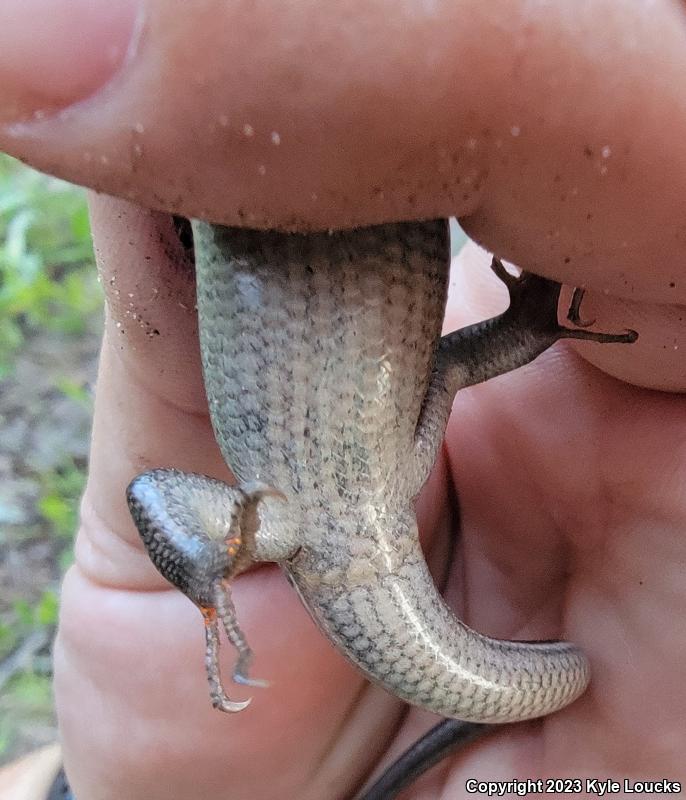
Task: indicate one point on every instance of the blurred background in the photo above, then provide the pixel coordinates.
(50, 320)
(50, 324)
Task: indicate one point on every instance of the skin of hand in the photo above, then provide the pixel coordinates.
(555, 133)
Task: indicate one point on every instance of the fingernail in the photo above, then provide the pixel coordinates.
(56, 52)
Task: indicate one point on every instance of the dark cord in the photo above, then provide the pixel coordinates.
(60, 788)
(435, 745)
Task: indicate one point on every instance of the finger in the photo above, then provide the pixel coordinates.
(150, 405)
(553, 130)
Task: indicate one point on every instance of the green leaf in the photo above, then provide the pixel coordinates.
(75, 391)
(66, 559)
(6, 736)
(8, 639)
(47, 278)
(61, 491)
(46, 610)
(23, 611)
(31, 690)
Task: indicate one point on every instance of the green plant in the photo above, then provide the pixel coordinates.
(42, 613)
(61, 489)
(46, 277)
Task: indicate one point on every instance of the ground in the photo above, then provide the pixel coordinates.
(50, 312)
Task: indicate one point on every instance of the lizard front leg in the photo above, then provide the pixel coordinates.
(199, 534)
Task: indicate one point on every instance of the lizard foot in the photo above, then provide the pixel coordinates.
(533, 305)
(218, 695)
(224, 610)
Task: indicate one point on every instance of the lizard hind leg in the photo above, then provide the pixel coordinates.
(200, 533)
(495, 346)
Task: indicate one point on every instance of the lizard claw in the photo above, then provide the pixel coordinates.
(573, 314)
(223, 703)
(256, 490)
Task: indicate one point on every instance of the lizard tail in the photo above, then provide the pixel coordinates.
(393, 624)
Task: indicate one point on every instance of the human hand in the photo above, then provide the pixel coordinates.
(560, 148)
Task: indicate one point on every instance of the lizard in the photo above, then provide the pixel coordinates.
(329, 388)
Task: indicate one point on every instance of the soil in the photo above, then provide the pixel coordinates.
(41, 431)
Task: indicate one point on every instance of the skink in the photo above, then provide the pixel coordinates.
(329, 388)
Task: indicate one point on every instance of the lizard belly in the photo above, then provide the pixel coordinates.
(317, 354)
